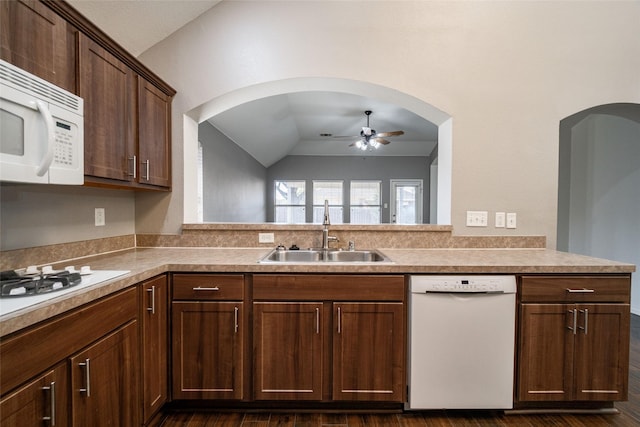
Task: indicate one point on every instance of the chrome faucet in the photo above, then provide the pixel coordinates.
(325, 228)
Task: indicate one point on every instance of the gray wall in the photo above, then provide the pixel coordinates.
(351, 168)
(38, 215)
(601, 191)
(234, 183)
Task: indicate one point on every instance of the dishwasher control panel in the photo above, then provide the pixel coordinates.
(497, 284)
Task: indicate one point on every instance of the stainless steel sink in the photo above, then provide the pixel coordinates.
(319, 255)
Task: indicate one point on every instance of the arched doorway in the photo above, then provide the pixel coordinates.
(599, 185)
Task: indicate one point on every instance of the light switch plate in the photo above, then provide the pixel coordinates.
(477, 218)
(511, 220)
(500, 219)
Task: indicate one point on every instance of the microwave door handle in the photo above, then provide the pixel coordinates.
(51, 138)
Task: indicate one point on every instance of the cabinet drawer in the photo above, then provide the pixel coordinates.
(208, 287)
(605, 288)
(311, 287)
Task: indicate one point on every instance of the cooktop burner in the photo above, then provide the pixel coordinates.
(14, 285)
(36, 286)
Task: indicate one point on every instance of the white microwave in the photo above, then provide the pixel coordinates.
(41, 130)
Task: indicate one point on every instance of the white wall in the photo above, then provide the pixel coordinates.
(507, 72)
(604, 208)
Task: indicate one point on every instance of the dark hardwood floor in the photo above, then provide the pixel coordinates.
(629, 412)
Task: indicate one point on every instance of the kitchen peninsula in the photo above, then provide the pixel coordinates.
(173, 297)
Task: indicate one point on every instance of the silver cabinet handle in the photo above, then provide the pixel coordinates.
(135, 166)
(200, 288)
(575, 320)
(152, 309)
(235, 319)
(339, 320)
(317, 320)
(146, 163)
(52, 401)
(87, 377)
(585, 328)
(581, 291)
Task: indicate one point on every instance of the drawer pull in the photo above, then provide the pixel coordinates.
(52, 401)
(152, 291)
(87, 378)
(585, 328)
(574, 329)
(581, 291)
(200, 288)
(235, 319)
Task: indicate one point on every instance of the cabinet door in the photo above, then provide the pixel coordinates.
(602, 352)
(288, 351)
(207, 350)
(545, 362)
(368, 351)
(154, 345)
(38, 40)
(154, 145)
(42, 402)
(108, 87)
(104, 381)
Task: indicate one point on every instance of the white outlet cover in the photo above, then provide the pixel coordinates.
(265, 238)
(100, 217)
(500, 219)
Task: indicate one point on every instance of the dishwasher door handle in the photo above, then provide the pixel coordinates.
(465, 292)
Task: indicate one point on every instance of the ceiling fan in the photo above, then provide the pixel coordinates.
(369, 138)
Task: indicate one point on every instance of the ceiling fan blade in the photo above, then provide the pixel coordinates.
(381, 140)
(346, 136)
(387, 134)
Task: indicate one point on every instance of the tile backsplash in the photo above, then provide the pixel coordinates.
(246, 236)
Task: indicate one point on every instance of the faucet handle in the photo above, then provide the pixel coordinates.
(352, 245)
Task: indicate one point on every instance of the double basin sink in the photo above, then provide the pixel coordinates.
(320, 255)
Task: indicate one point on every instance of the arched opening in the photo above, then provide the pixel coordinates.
(441, 208)
(599, 185)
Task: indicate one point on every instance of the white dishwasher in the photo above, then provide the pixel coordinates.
(461, 342)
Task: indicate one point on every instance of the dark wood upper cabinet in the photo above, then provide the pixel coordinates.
(154, 138)
(108, 88)
(38, 40)
(127, 117)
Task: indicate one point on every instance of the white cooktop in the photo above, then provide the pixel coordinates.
(12, 304)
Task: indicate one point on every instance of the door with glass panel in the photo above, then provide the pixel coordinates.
(406, 201)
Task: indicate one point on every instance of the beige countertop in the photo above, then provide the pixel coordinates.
(144, 263)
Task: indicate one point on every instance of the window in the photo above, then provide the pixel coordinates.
(331, 191)
(365, 202)
(290, 201)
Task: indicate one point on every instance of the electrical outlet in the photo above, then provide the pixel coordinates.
(265, 238)
(100, 219)
(511, 220)
(477, 218)
(500, 219)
